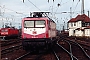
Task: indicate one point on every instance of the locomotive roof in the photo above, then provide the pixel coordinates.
(41, 17)
(35, 17)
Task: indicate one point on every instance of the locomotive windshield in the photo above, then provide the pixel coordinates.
(29, 24)
(34, 23)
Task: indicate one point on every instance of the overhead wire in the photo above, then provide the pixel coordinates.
(59, 4)
(62, 4)
(34, 5)
(12, 16)
(66, 2)
(19, 12)
(74, 10)
(60, 1)
(25, 4)
(13, 11)
(76, 5)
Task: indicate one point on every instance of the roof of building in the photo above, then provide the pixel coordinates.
(83, 18)
(72, 20)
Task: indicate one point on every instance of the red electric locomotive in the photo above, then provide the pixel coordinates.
(9, 32)
(38, 31)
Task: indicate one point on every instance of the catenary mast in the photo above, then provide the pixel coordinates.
(82, 10)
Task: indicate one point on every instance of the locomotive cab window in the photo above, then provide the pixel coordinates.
(34, 23)
(40, 23)
(28, 23)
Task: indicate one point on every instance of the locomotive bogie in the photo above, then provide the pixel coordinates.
(33, 44)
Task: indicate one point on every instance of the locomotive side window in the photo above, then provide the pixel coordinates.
(28, 23)
(40, 23)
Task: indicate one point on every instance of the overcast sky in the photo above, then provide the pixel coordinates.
(15, 10)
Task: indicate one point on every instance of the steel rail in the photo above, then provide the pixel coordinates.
(19, 58)
(70, 49)
(76, 43)
(67, 51)
(7, 50)
(56, 55)
(82, 49)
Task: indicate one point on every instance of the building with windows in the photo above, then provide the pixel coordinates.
(79, 26)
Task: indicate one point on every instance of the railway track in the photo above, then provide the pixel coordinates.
(62, 50)
(84, 43)
(30, 56)
(10, 49)
(9, 46)
(75, 49)
(68, 53)
(71, 56)
(9, 42)
(51, 55)
(81, 50)
(12, 52)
